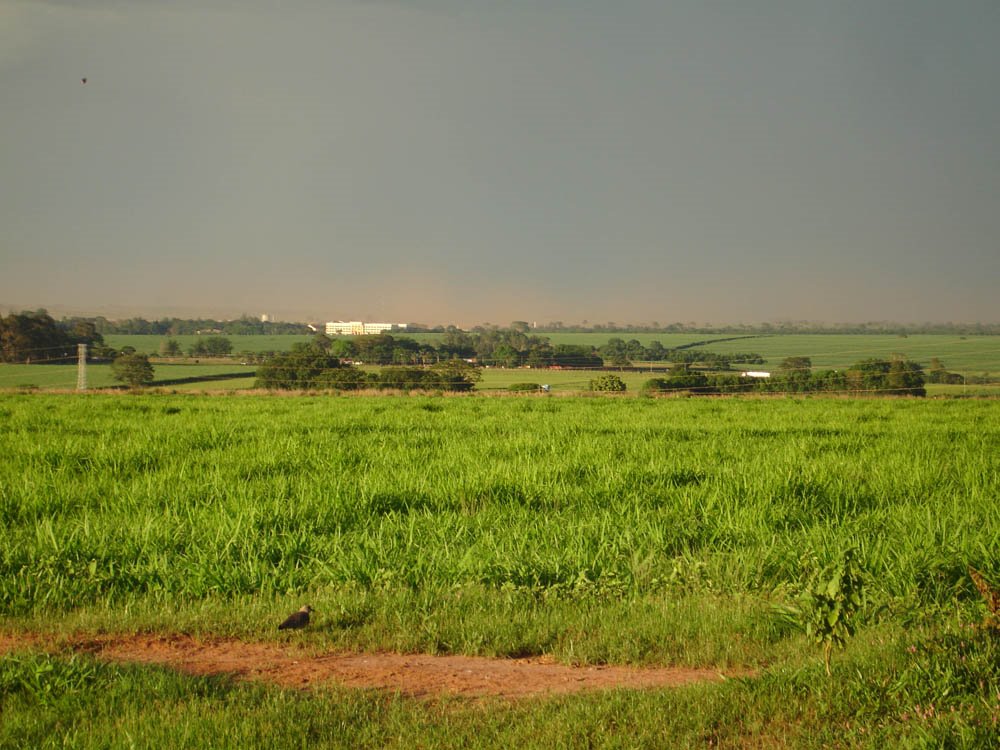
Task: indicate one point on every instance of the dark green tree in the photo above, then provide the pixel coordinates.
(905, 378)
(306, 366)
(132, 369)
(218, 346)
(342, 348)
(794, 374)
(506, 356)
(34, 337)
(456, 375)
(170, 348)
(796, 366)
(615, 352)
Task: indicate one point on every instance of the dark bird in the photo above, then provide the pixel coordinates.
(296, 620)
(83, 80)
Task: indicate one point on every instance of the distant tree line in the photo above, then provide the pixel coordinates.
(503, 348)
(244, 325)
(211, 346)
(893, 377)
(313, 367)
(619, 352)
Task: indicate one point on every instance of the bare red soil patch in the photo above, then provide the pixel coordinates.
(414, 675)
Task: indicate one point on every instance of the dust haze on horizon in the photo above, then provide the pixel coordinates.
(446, 161)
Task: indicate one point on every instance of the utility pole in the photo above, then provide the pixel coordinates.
(81, 367)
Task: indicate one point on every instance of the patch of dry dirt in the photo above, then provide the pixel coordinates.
(414, 675)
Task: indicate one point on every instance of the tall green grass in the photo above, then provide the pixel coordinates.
(106, 497)
(597, 530)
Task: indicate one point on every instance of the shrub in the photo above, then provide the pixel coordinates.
(608, 383)
(524, 387)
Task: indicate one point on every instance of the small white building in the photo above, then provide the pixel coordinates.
(755, 374)
(357, 328)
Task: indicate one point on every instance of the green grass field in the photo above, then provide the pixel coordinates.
(590, 530)
(200, 376)
(970, 355)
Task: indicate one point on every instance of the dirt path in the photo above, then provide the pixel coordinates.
(413, 675)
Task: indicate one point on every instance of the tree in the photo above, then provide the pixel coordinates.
(796, 366)
(170, 348)
(616, 352)
(84, 332)
(795, 374)
(682, 378)
(218, 346)
(133, 370)
(905, 378)
(456, 375)
(306, 366)
(898, 377)
(342, 349)
(34, 337)
(506, 356)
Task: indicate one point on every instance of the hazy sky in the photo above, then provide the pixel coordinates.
(468, 161)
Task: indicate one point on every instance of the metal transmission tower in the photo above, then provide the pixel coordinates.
(81, 367)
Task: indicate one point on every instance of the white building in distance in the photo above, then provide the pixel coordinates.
(357, 328)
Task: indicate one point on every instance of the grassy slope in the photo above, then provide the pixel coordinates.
(596, 530)
(973, 354)
(63, 377)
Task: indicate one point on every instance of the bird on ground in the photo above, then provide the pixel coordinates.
(296, 620)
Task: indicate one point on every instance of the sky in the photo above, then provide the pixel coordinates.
(465, 161)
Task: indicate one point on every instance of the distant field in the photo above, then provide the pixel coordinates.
(202, 376)
(63, 377)
(669, 340)
(972, 355)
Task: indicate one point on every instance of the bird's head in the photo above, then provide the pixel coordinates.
(307, 609)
